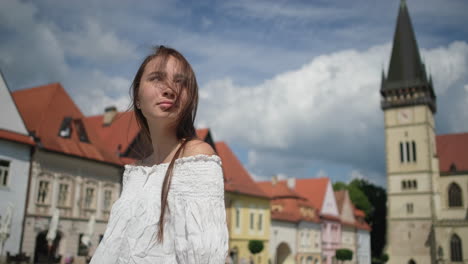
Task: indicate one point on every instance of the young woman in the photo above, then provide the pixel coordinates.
(171, 209)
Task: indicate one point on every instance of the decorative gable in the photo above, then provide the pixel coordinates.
(329, 206)
(347, 211)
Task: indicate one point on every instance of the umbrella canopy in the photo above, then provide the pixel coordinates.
(86, 239)
(5, 225)
(52, 233)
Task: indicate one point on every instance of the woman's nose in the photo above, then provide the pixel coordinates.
(169, 93)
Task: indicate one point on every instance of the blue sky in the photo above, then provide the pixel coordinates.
(291, 86)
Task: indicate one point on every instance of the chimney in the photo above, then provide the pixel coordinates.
(274, 180)
(291, 183)
(109, 113)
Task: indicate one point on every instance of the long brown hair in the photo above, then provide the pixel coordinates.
(185, 129)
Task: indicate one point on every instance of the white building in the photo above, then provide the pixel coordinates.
(70, 170)
(15, 148)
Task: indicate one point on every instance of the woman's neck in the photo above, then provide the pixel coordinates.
(165, 144)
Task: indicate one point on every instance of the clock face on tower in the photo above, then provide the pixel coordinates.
(405, 116)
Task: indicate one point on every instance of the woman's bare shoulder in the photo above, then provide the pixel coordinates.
(197, 147)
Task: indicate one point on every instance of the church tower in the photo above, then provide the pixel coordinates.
(409, 104)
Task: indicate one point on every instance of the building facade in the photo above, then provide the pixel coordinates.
(247, 210)
(15, 149)
(427, 175)
(70, 171)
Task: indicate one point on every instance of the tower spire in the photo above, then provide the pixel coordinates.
(406, 72)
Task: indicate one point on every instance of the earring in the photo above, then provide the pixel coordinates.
(138, 105)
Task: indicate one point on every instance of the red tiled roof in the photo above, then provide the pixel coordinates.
(359, 213)
(313, 189)
(280, 189)
(452, 149)
(121, 132)
(237, 179)
(291, 211)
(289, 200)
(43, 109)
(12, 136)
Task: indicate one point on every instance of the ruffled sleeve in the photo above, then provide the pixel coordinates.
(201, 234)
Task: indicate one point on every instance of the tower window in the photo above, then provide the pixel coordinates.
(456, 248)
(409, 208)
(414, 151)
(408, 152)
(455, 196)
(403, 185)
(402, 152)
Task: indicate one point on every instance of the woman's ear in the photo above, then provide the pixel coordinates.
(137, 104)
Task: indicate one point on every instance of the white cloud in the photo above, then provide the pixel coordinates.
(93, 43)
(448, 65)
(329, 109)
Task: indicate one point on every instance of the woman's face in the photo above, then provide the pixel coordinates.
(162, 91)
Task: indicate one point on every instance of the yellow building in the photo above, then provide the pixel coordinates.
(247, 209)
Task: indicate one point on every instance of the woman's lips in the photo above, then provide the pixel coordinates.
(166, 105)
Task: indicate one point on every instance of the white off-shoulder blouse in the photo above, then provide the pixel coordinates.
(195, 229)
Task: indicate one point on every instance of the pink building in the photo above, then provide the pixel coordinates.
(320, 193)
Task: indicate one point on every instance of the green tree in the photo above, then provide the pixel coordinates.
(344, 254)
(255, 246)
(338, 186)
(358, 197)
(377, 218)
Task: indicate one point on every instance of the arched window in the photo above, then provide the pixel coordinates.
(456, 248)
(455, 195)
(411, 262)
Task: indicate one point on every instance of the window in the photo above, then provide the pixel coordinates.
(65, 128)
(408, 151)
(237, 217)
(402, 151)
(252, 221)
(456, 248)
(4, 169)
(107, 200)
(63, 194)
(409, 208)
(409, 184)
(82, 248)
(89, 198)
(43, 192)
(455, 195)
(260, 220)
(81, 130)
